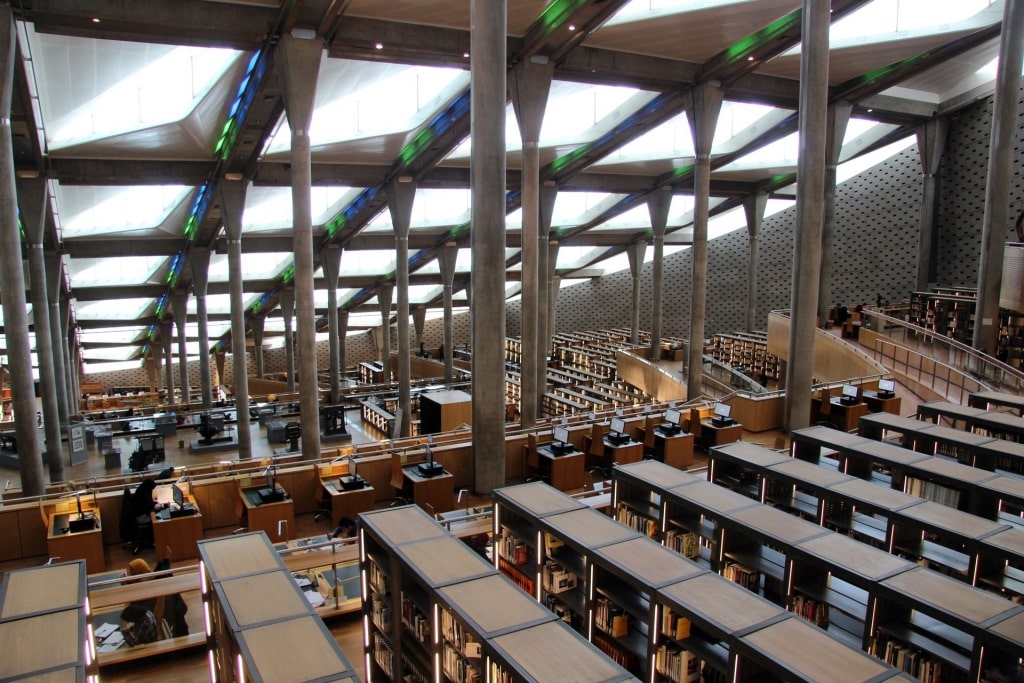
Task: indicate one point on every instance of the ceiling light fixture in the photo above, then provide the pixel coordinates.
(750, 58)
(465, 55)
(379, 46)
(95, 20)
(233, 175)
(572, 27)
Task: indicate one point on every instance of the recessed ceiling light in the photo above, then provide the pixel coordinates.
(572, 27)
(870, 110)
(379, 46)
(750, 58)
(465, 55)
(95, 20)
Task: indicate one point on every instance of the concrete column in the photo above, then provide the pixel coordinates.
(165, 339)
(838, 118)
(71, 368)
(556, 283)
(330, 261)
(385, 293)
(419, 321)
(529, 87)
(33, 200)
(152, 366)
(54, 285)
(488, 66)
(813, 124)
(931, 142)
(705, 105)
(658, 204)
(753, 208)
(257, 323)
(446, 261)
(299, 65)
(287, 300)
(232, 200)
(156, 351)
(199, 260)
(401, 196)
(219, 358)
(343, 339)
(635, 252)
(545, 269)
(179, 302)
(12, 275)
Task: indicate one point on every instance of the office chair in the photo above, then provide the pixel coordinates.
(403, 492)
(649, 424)
(533, 469)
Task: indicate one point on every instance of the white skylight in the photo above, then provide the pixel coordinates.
(890, 19)
(270, 208)
(109, 353)
(220, 304)
(97, 210)
(463, 260)
(93, 368)
(122, 270)
(367, 261)
(113, 309)
(431, 208)
(642, 10)
(258, 265)
(113, 335)
(362, 99)
(28, 310)
(91, 89)
(421, 294)
(849, 169)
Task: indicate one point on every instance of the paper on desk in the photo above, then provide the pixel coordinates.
(113, 642)
(302, 580)
(314, 598)
(104, 630)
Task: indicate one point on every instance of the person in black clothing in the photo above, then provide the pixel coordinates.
(346, 528)
(141, 504)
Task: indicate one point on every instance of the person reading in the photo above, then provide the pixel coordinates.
(346, 529)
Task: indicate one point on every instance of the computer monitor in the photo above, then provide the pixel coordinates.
(886, 386)
(353, 481)
(723, 411)
(178, 496)
(430, 468)
(849, 391)
(352, 466)
(617, 425)
(561, 443)
(672, 415)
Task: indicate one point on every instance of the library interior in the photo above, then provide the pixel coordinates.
(268, 414)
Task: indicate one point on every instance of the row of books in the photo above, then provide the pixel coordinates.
(414, 620)
(516, 575)
(513, 549)
(685, 543)
(813, 611)
(744, 576)
(645, 525)
(383, 655)
(610, 618)
(381, 612)
(379, 581)
(932, 491)
(414, 671)
(556, 578)
(913, 661)
(674, 625)
(458, 669)
(676, 664)
(456, 636)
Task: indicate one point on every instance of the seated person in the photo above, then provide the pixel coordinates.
(138, 625)
(168, 610)
(141, 504)
(346, 529)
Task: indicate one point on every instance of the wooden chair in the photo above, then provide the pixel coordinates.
(695, 427)
(533, 468)
(403, 493)
(649, 424)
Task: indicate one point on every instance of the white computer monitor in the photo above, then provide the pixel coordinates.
(617, 425)
(849, 391)
(723, 411)
(560, 434)
(886, 385)
(672, 415)
(352, 466)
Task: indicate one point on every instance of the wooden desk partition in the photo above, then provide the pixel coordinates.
(267, 517)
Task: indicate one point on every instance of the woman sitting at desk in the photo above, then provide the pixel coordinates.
(346, 529)
(167, 611)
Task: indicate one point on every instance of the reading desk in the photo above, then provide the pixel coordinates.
(266, 516)
(433, 494)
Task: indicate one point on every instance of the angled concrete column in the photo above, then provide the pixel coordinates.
(219, 359)
(635, 253)
(556, 284)
(705, 105)
(658, 204)
(156, 351)
(54, 286)
(529, 86)
(996, 221)
(152, 366)
(446, 261)
(401, 195)
(199, 260)
(753, 207)
(813, 117)
(545, 269)
(166, 333)
(419, 321)
(931, 142)
(487, 180)
(299, 65)
(232, 195)
(287, 300)
(179, 302)
(838, 118)
(330, 261)
(384, 295)
(12, 275)
(33, 196)
(71, 369)
(257, 323)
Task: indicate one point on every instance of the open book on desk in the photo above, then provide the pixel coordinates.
(345, 580)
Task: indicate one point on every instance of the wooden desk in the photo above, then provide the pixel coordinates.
(846, 415)
(622, 454)
(79, 545)
(565, 471)
(348, 503)
(265, 517)
(882, 404)
(674, 449)
(433, 494)
(713, 435)
(175, 538)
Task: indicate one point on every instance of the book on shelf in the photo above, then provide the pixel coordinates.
(513, 549)
(457, 668)
(611, 618)
(644, 525)
(557, 579)
(674, 625)
(685, 543)
(677, 664)
(744, 576)
(414, 620)
(516, 575)
(814, 611)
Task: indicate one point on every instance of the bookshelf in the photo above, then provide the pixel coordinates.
(460, 619)
(667, 617)
(748, 351)
(255, 610)
(874, 598)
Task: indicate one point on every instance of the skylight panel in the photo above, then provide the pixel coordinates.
(570, 258)
(115, 353)
(356, 99)
(113, 309)
(421, 294)
(643, 10)
(779, 153)
(576, 208)
(574, 109)
(270, 208)
(259, 265)
(114, 271)
(364, 319)
(367, 261)
(119, 335)
(856, 166)
(463, 261)
(28, 311)
(671, 139)
(92, 89)
(902, 18)
(431, 208)
(96, 210)
(93, 368)
(220, 304)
